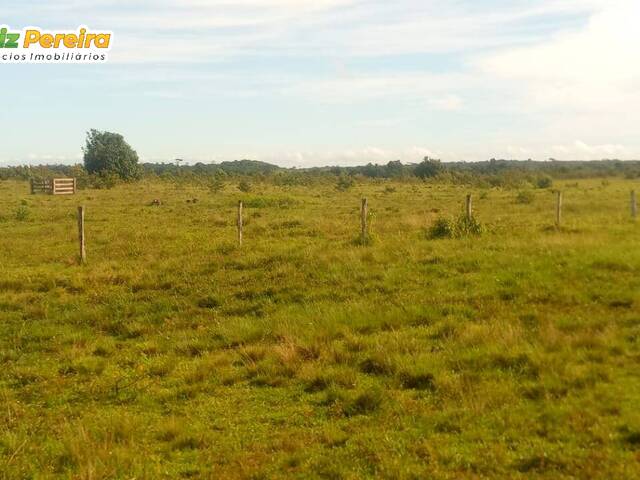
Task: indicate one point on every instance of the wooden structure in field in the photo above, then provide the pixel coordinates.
(54, 186)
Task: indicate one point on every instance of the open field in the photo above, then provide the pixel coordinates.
(175, 354)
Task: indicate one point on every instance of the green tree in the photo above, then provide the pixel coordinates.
(428, 168)
(394, 169)
(109, 153)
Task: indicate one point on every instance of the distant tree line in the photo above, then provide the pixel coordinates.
(491, 173)
(430, 168)
(108, 159)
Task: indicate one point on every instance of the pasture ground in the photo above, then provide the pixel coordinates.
(174, 354)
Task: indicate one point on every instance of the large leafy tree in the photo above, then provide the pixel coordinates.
(109, 153)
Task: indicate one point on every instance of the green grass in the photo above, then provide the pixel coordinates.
(175, 354)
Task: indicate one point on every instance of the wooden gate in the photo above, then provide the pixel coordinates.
(54, 186)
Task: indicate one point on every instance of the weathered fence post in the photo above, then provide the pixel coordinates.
(83, 251)
(364, 210)
(634, 205)
(468, 207)
(558, 208)
(240, 223)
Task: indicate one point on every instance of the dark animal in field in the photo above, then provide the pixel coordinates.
(156, 203)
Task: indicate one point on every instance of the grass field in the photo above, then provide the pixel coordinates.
(175, 354)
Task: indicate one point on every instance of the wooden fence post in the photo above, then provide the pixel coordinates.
(468, 207)
(240, 223)
(558, 208)
(364, 210)
(83, 251)
(634, 205)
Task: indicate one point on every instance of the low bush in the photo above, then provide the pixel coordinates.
(442, 228)
(345, 183)
(544, 181)
(466, 226)
(524, 197)
(105, 180)
(215, 185)
(271, 202)
(244, 186)
(460, 227)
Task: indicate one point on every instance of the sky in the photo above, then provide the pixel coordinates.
(333, 82)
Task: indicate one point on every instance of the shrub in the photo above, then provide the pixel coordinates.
(105, 180)
(455, 228)
(345, 183)
(524, 197)
(216, 184)
(271, 202)
(442, 228)
(84, 181)
(544, 181)
(468, 226)
(244, 186)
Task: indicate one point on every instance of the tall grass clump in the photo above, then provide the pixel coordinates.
(462, 226)
(22, 213)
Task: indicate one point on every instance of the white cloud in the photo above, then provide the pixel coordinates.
(447, 102)
(433, 88)
(596, 69)
(598, 150)
(37, 158)
(380, 122)
(166, 94)
(343, 157)
(515, 151)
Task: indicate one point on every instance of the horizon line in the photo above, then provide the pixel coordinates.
(302, 167)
